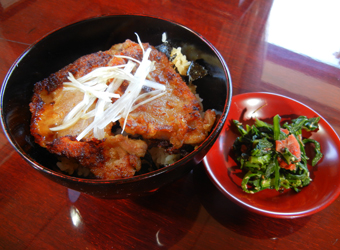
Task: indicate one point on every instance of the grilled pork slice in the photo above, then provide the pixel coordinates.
(113, 158)
(174, 117)
(51, 102)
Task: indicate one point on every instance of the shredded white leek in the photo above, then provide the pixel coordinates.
(98, 92)
(164, 37)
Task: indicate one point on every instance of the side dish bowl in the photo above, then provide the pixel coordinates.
(227, 176)
(65, 45)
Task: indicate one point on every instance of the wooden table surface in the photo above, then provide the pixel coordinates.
(288, 47)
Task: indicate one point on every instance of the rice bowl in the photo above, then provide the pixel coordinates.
(100, 33)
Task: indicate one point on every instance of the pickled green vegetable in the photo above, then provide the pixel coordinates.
(274, 157)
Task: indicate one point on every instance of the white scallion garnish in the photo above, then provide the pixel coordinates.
(97, 92)
(164, 37)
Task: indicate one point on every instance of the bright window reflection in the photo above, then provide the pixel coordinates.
(307, 27)
(75, 216)
(157, 239)
(253, 102)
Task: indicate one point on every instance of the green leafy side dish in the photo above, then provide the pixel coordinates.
(274, 157)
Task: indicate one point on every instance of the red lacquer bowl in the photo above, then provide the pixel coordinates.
(325, 185)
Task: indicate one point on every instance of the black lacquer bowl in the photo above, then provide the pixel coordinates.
(64, 46)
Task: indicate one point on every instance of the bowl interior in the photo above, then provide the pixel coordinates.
(65, 45)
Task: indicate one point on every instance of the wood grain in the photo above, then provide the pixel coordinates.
(190, 213)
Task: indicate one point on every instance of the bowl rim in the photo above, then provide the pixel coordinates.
(212, 136)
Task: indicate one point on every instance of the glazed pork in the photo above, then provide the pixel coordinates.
(176, 116)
